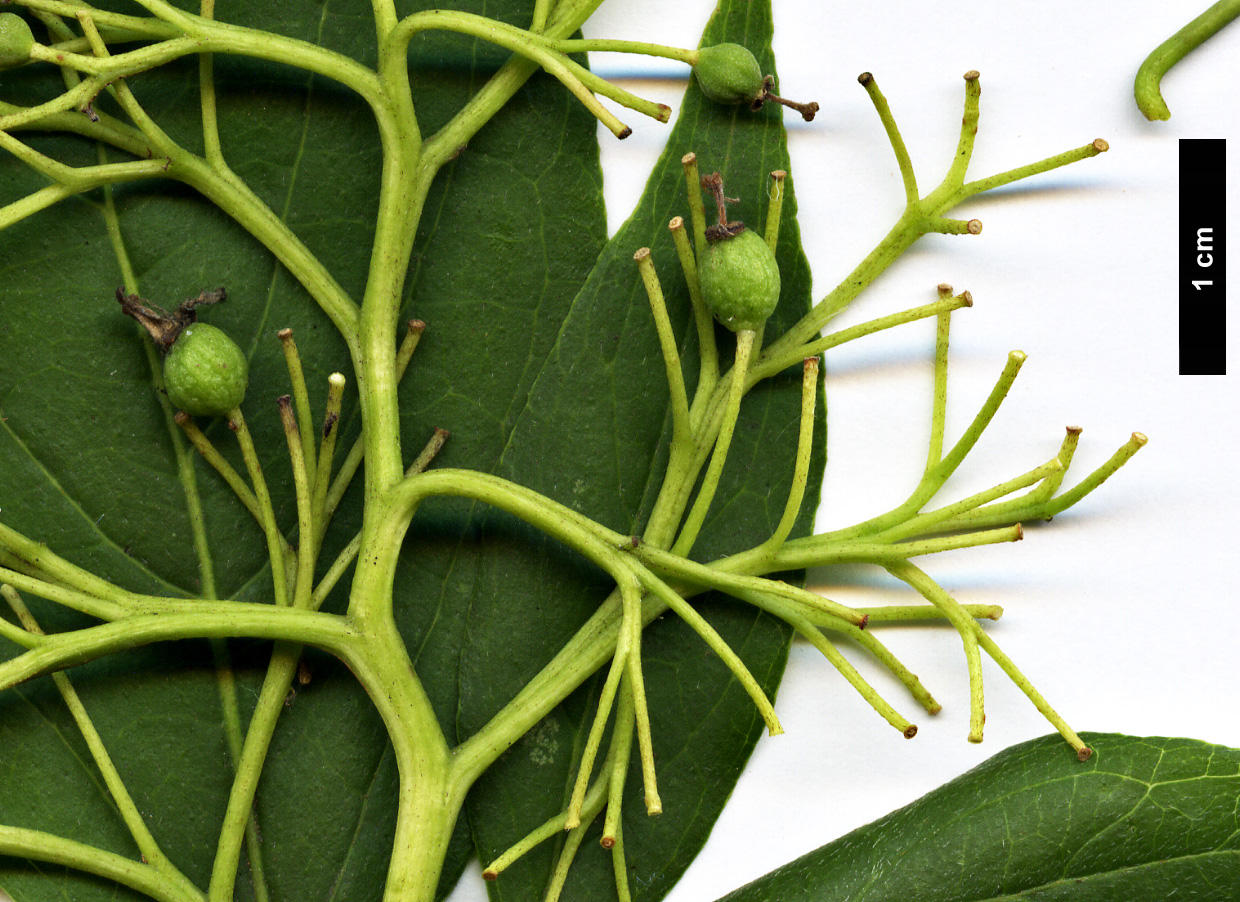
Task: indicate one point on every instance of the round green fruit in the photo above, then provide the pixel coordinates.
(205, 373)
(729, 73)
(16, 39)
(740, 281)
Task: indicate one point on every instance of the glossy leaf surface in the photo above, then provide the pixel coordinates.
(1144, 820)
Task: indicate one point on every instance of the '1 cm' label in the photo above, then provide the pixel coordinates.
(1203, 256)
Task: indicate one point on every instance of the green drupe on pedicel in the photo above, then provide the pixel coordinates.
(16, 40)
(740, 280)
(729, 74)
(205, 372)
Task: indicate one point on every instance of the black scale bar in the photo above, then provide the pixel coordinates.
(1203, 256)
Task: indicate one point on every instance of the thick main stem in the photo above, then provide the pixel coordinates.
(428, 803)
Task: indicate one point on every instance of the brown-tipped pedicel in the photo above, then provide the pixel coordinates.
(807, 110)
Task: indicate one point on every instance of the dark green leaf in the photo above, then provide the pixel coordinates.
(513, 226)
(1144, 820)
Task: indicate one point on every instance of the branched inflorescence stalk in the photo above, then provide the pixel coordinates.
(652, 572)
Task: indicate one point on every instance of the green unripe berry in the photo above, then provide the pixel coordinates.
(740, 281)
(16, 40)
(205, 373)
(729, 73)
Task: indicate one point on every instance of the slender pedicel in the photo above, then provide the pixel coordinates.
(1147, 87)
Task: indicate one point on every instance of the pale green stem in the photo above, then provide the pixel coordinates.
(1134, 444)
(729, 575)
(776, 361)
(385, 17)
(699, 625)
(542, 9)
(1037, 504)
(800, 472)
(432, 448)
(306, 527)
(267, 516)
(222, 37)
(579, 80)
(35, 845)
(1083, 752)
(227, 192)
(429, 799)
(34, 203)
(60, 32)
(212, 150)
(945, 226)
(225, 679)
(353, 460)
(774, 209)
(327, 452)
(708, 354)
(339, 566)
(710, 482)
(809, 632)
(1147, 86)
(350, 551)
(635, 682)
(617, 767)
(14, 633)
(77, 179)
(1067, 450)
(667, 344)
(938, 405)
(152, 854)
(552, 827)
(239, 813)
(964, 624)
(544, 51)
(918, 218)
(212, 456)
(919, 613)
(301, 397)
(559, 875)
(445, 144)
(408, 345)
(149, 28)
(620, 867)
(968, 128)
(641, 48)
(630, 598)
(546, 516)
(83, 601)
(204, 620)
(893, 135)
(934, 479)
(941, 518)
(697, 210)
(812, 553)
(944, 198)
(883, 655)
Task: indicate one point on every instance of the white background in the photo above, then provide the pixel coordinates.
(1123, 611)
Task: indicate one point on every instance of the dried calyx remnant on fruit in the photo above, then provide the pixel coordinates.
(205, 372)
(730, 74)
(738, 273)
